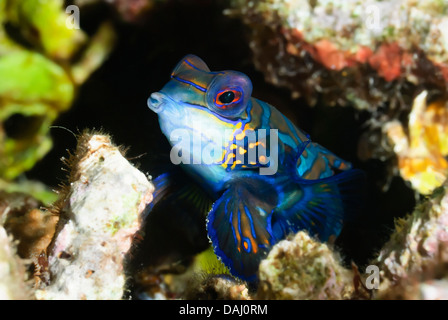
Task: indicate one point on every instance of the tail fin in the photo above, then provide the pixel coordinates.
(318, 206)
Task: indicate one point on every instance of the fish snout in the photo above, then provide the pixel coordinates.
(157, 102)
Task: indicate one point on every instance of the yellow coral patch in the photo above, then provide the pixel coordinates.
(421, 154)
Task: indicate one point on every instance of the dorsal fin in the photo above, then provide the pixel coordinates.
(188, 63)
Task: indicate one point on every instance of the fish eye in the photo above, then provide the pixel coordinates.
(229, 93)
(227, 97)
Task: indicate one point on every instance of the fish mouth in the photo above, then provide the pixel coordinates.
(157, 102)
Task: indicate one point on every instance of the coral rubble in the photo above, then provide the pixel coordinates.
(417, 253)
(99, 213)
(310, 45)
(12, 271)
(217, 287)
(376, 56)
(303, 268)
(31, 227)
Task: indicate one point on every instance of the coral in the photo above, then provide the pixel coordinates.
(419, 290)
(418, 249)
(35, 92)
(32, 228)
(202, 278)
(375, 56)
(217, 287)
(43, 25)
(422, 151)
(13, 276)
(12, 271)
(303, 268)
(93, 56)
(208, 279)
(37, 82)
(99, 213)
(343, 36)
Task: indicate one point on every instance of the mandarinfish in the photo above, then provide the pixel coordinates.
(264, 175)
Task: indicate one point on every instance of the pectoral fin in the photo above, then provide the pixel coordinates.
(239, 225)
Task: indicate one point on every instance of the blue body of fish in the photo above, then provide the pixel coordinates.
(265, 175)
